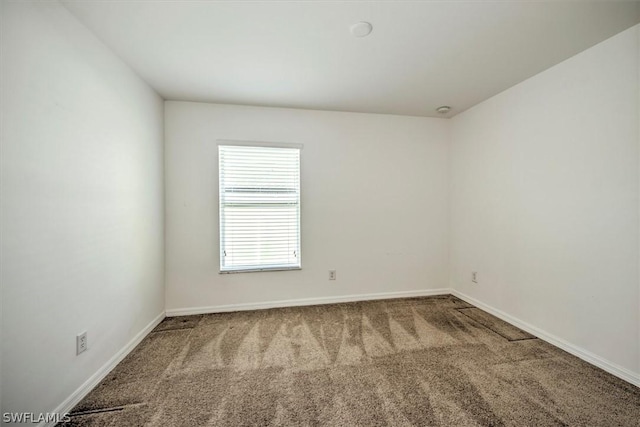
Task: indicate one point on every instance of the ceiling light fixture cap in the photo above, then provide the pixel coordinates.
(443, 110)
(361, 29)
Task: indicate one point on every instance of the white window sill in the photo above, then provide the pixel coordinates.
(257, 270)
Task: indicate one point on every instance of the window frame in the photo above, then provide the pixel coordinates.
(259, 144)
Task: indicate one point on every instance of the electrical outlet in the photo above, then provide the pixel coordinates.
(81, 343)
(474, 276)
(332, 275)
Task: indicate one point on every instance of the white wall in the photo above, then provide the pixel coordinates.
(544, 201)
(82, 205)
(374, 203)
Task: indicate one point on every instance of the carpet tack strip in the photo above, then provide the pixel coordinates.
(496, 325)
(102, 410)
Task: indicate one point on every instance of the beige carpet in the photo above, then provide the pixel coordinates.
(422, 361)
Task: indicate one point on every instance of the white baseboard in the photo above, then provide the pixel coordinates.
(304, 301)
(583, 354)
(93, 381)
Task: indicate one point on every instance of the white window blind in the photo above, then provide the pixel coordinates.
(259, 208)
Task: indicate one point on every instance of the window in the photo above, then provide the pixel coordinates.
(259, 207)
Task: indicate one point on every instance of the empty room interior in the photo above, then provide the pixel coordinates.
(341, 213)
